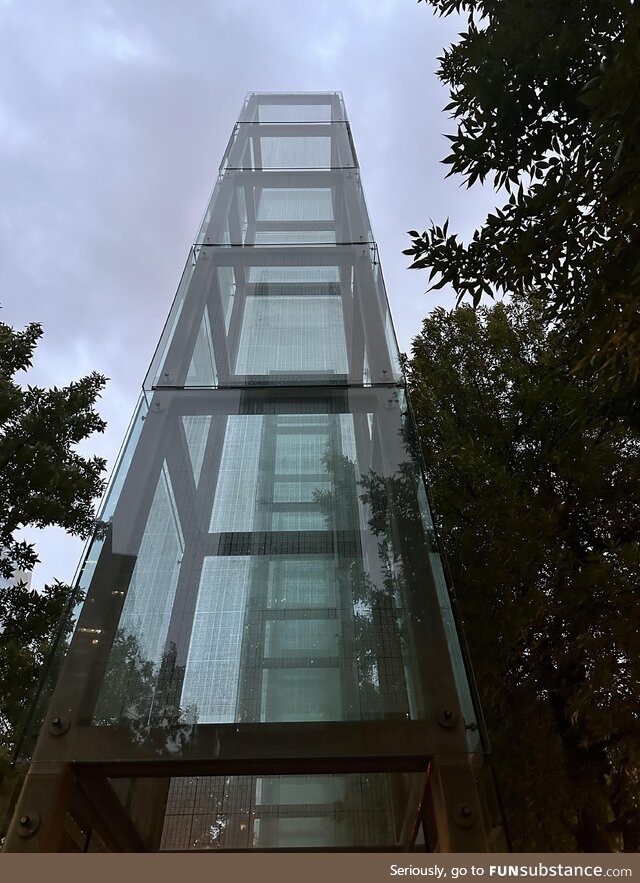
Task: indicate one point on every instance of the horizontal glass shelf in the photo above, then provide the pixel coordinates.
(293, 107)
(281, 207)
(260, 146)
(264, 316)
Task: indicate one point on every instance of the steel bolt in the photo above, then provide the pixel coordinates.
(29, 824)
(466, 812)
(58, 725)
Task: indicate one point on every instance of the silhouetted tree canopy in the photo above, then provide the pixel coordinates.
(43, 481)
(546, 97)
(538, 502)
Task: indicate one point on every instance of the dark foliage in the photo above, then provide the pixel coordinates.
(538, 499)
(546, 96)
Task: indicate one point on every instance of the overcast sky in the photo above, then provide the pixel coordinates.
(114, 115)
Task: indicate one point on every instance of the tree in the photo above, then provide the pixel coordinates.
(547, 101)
(31, 625)
(538, 504)
(43, 481)
(28, 621)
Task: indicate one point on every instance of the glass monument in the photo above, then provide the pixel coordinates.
(266, 656)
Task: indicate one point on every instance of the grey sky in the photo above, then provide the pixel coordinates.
(114, 116)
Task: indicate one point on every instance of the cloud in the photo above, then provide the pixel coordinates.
(14, 133)
(116, 123)
(115, 45)
(329, 46)
(379, 11)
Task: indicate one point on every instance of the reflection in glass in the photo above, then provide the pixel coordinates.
(240, 812)
(280, 570)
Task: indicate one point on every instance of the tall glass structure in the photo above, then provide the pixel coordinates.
(266, 656)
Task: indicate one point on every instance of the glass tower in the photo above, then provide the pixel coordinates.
(266, 656)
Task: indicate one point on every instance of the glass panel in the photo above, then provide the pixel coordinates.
(302, 582)
(299, 275)
(158, 366)
(299, 107)
(295, 237)
(296, 153)
(294, 113)
(197, 432)
(235, 503)
(252, 207)
(278, 812)
(255, 147)
(301, 695)
(279, 572)
(139, 645)
(295, 204)
(282, 335)
(227, 287)
(211, 676)
(306, 317)
(84, 579)
(202, 370)
(301, 639)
